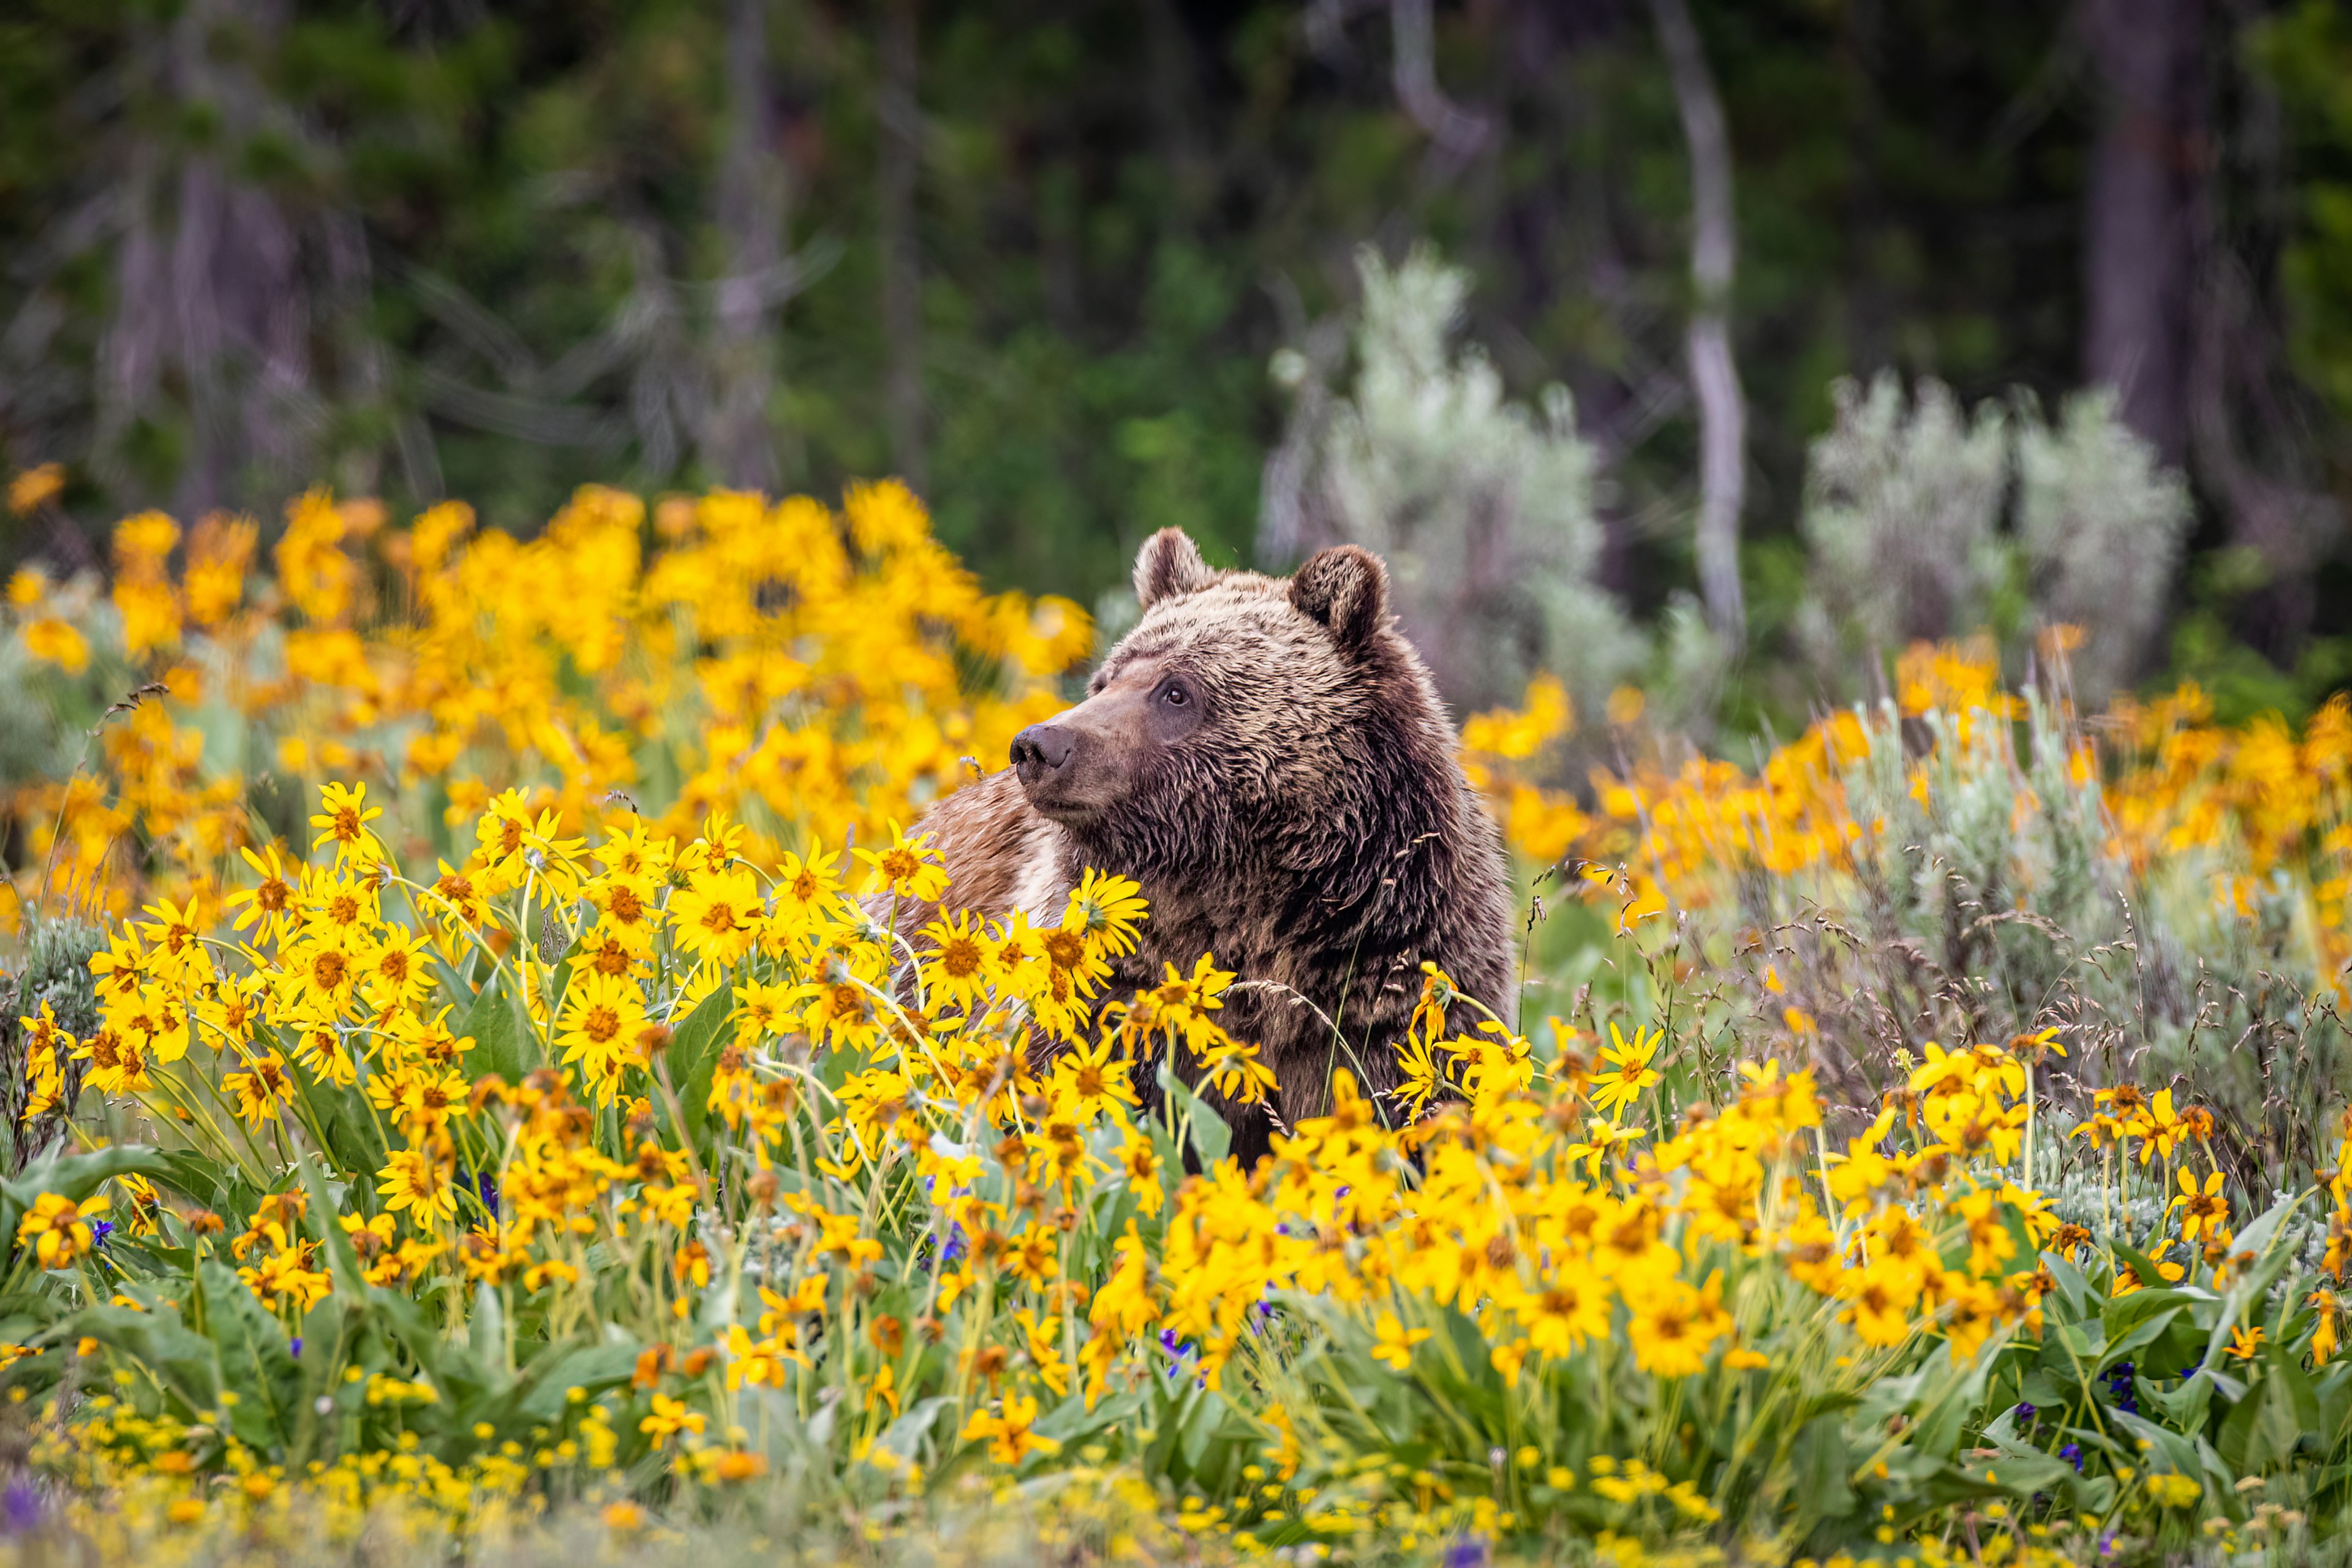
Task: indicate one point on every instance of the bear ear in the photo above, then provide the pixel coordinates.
(1346, 589)
(1170, 563)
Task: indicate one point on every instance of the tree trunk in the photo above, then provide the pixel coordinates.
(1714, 375)
(2137, 242)
(209, 286)
(2257, 435)
(901, 143)
(738, 447)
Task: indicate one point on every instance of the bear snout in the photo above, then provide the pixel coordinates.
(1040, 750)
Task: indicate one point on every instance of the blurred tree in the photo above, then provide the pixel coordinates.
(2137, 238)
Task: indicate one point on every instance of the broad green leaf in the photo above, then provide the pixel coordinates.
(504, 1043)
(1212, 1139)
(693, 1059)
(256, 1363)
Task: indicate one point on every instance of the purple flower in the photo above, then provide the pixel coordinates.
(20, 1507)
(1178, 1352)
(484, 1184)
(2120, 1389)
(2073, 1454)
(99, 1229)
(295, 1345)
(1470, 1552)
(2025, 1413)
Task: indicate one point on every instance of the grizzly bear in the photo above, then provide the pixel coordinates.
(1270, 760)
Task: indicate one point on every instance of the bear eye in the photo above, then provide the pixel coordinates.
(1174, 695)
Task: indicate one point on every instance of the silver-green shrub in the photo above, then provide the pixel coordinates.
(1482, 507)
(1901, 504)
(1905, 500)
(2099, 524)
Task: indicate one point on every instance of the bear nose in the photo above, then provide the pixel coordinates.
(1041, 749)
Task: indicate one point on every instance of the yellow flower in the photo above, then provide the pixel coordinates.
(285, 1275)
(1088, 1080)
(1570, 1307)
(718, 916)
(2202, 1210)
(1392, 1342)
(1879, 1301)
(59, 1231)
(1010, 1439)
(907, 867)
(1674, 1327)
(53, 641)
(1141, 1164)
(599, 1027)
(626, 911)
(2157, 1128)
(808, 890)
(2326, 1327)
(1423, 1077)
(1106, 911)
(1628, 1069)
(955, 969)
(418, 1182)
(260, 1089)
(395, 969)
(35, 487)
(343, 818)
(670, 1417)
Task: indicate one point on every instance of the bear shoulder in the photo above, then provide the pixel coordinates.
(1000, 853)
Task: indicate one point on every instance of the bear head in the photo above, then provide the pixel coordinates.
(1281, 721)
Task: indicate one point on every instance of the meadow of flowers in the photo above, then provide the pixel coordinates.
(457, 1088)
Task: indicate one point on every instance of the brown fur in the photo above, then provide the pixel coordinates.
(1312, 829)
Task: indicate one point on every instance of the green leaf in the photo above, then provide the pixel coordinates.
(905, 1435)
(2124, 1313)
(504, 1042)
(342, 1258)
(2147, 1332)
(2185, 1408)
(2258, 1238)
(1819, 1461)
(73, 1177)
(693, 1059)
(555, 1372)
(185, 1364)
(1212, 1139)
(2077, 1298)
(256, 1364)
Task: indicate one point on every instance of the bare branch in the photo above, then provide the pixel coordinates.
(1715, 374)
(1457, 132)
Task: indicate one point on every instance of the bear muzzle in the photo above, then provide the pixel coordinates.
(1060, 768)
(1077, 765)
(1042, 750)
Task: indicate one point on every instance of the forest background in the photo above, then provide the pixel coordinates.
(1079, 270)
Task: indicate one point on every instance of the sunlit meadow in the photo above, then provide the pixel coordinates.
(459, 1099)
